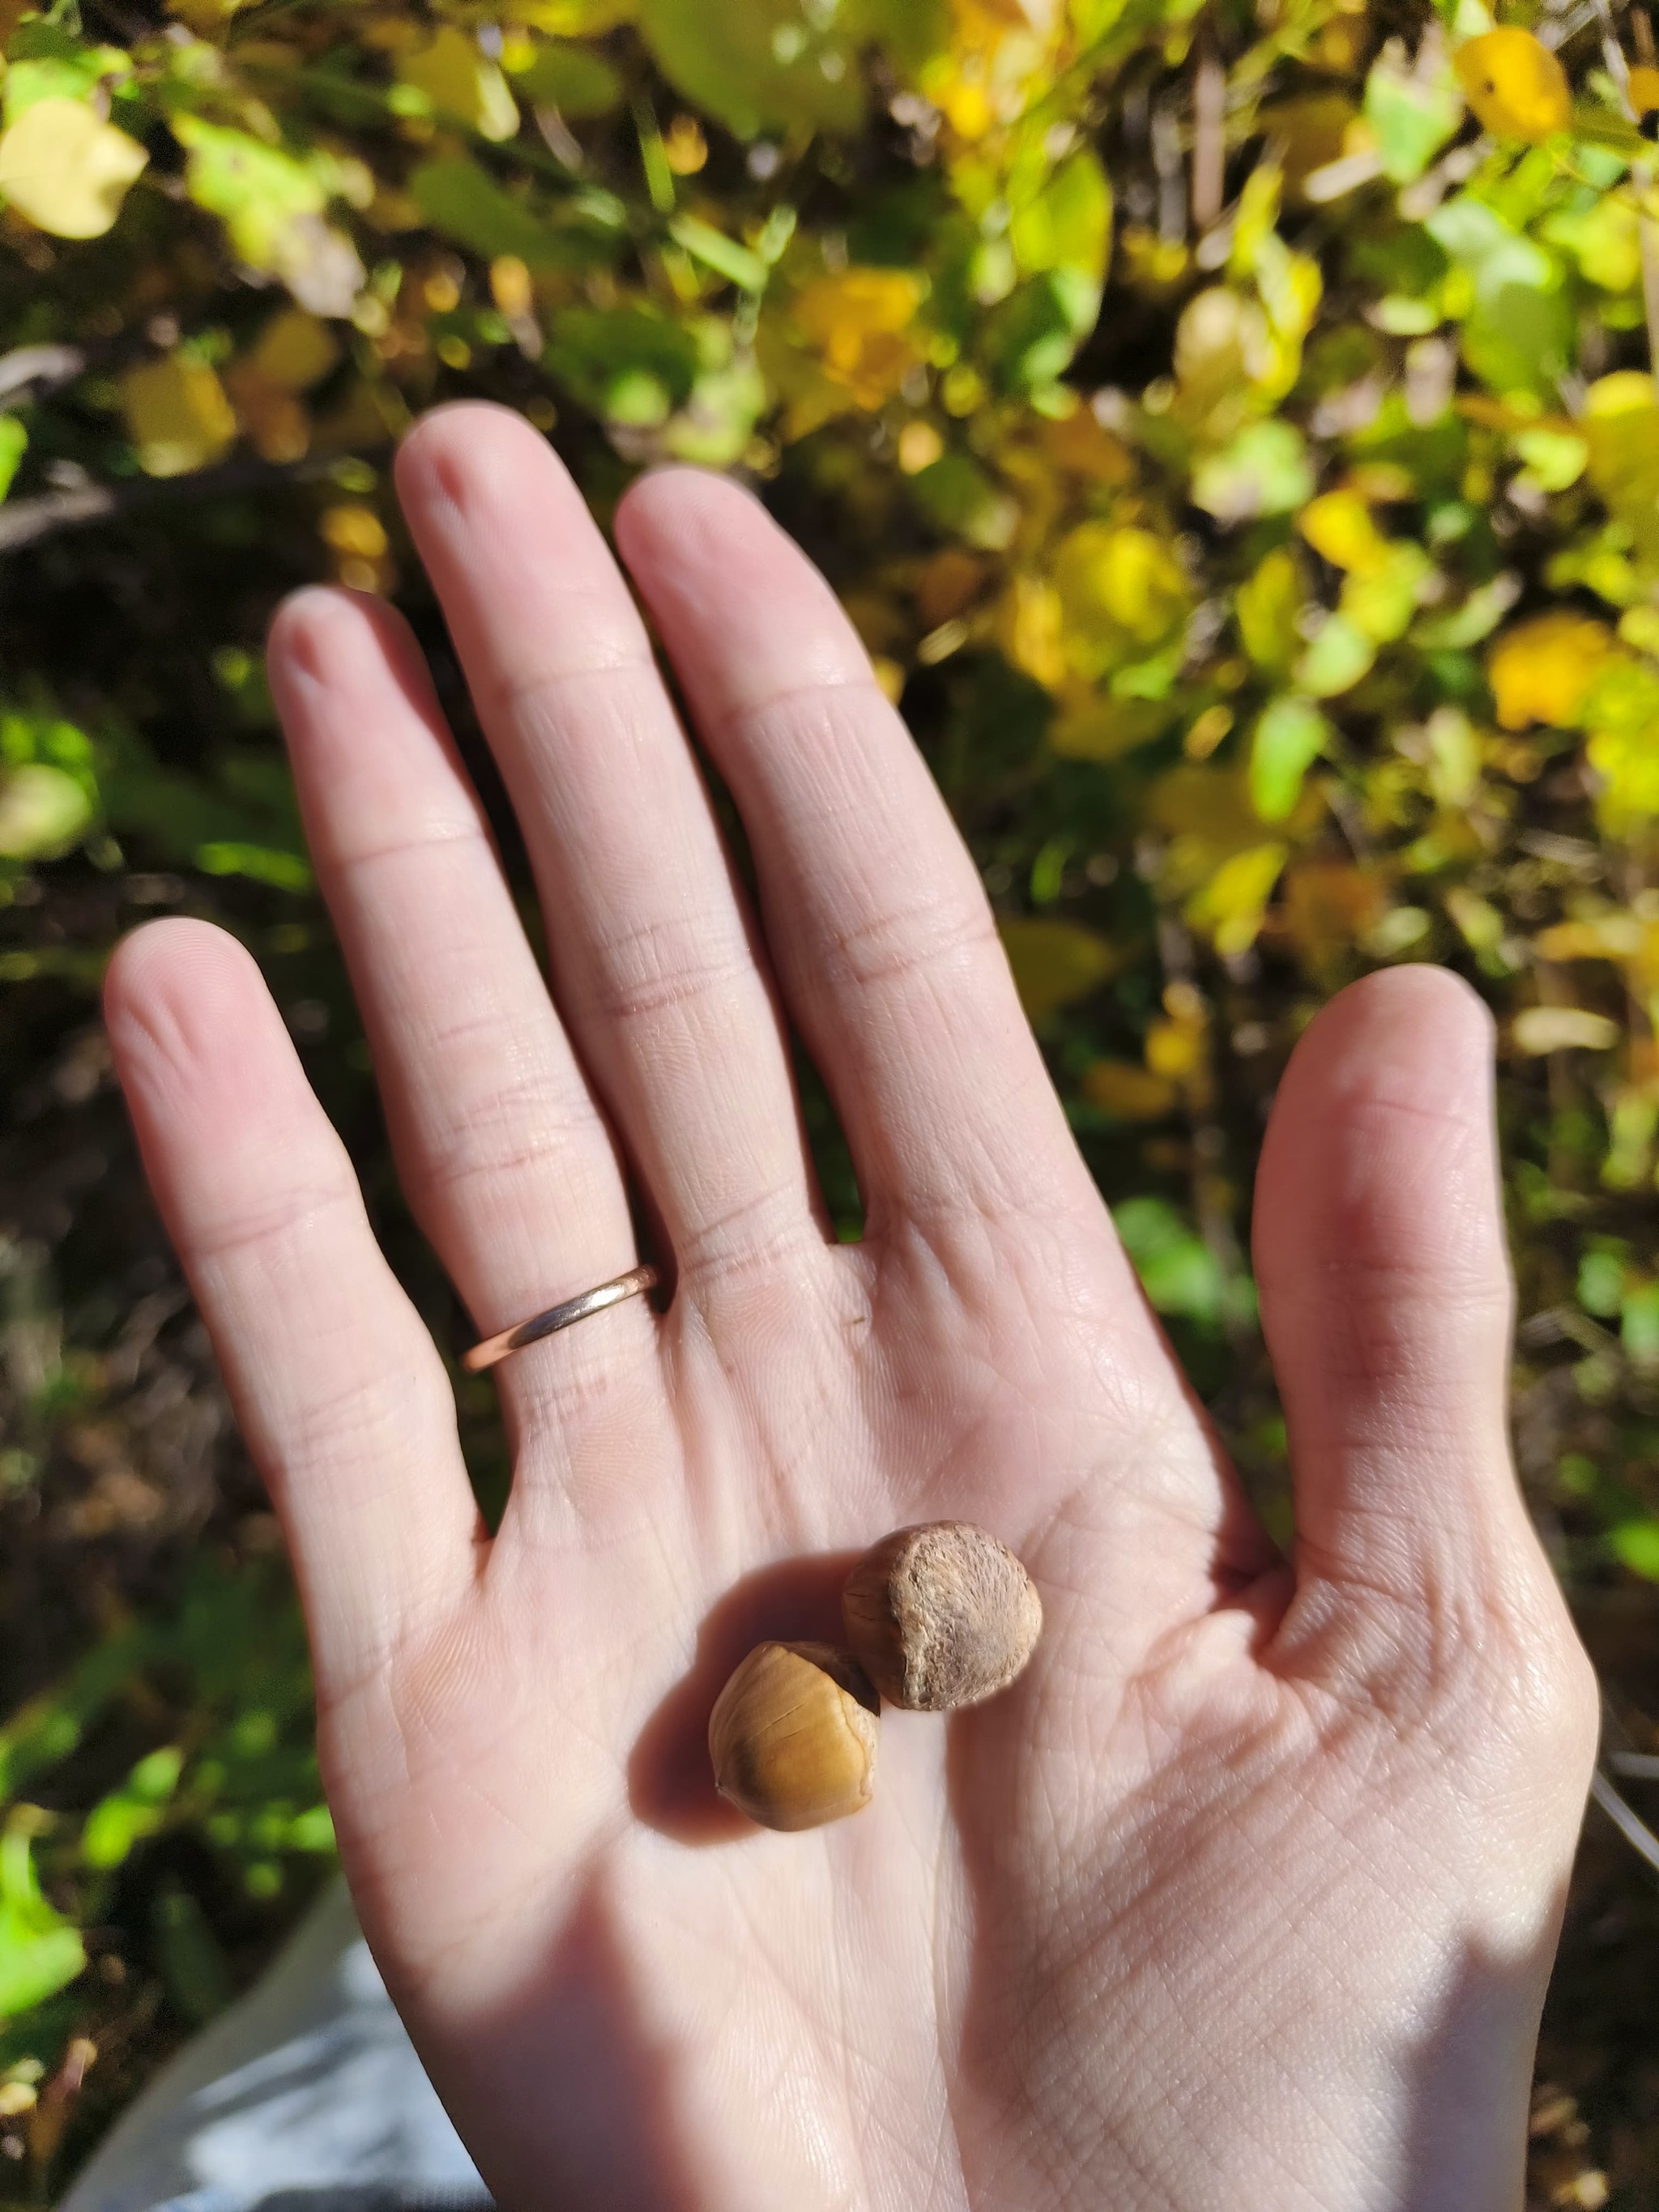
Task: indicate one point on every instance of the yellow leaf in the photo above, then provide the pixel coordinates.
(920, 446)
(1077, 441)
(1054, 961)
(458, 80)
(356, 529)
(1603, 936)
(1542, 670)
(1207, 809)
(294, 350)
(1516, 86)
(1643, 88)
(950, 581)
(1626, 762)
(1223, 347)
(860, 321)
(1106, 728)
(1338, 526)
(276, 424)
(1174, 1048)
(1134, 1094)
(65, 170)
(1029, 623)
(1620, 428)
(177, 415)
(1122, 593)
(512, 287)
(1267, 605)
(1561, 1029)
(1232, 903)
(1328, 907)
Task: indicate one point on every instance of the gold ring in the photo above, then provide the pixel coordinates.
(557, 1317)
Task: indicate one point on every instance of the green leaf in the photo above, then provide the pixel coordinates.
(1411, 116)
(256, 191)
(719, 253)
(580, 84)
(1265, 470)
(1600, 1283)
(1066, 224)
(1337, 657)
(1476, 235)
(40, 1952)
(14, 444)
(1178, 1272)
(42, 811)
(126, 1816)
(1638, 1328)
(631, 365)
(1635, 1545)
(457, 199)
(1519, 339)
(193, 1966)
(765, 64)
(1030, 338)
(50, 1726)
(1289, 736)
(961, 497)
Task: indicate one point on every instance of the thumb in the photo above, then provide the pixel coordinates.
(1386, 1297)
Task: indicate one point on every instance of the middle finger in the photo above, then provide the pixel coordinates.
(652, 954)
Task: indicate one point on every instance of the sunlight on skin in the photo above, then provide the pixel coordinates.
(1247, 1892)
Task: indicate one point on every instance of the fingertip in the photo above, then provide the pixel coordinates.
(466, 451)
(1378, 1187)
(177, 957)
(325, 639)
(1429, 1017)
(1405, 1049)
(174, 992)
(743, 610)
(681, 507)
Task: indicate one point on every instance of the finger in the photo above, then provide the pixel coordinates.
(877, 924)
(652, 964)
(1385, 1290)
(342, 1398)
(506, 1161)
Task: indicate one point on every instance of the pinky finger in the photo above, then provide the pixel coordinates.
(343, 1399)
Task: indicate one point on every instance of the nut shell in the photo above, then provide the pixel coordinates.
(941, 1615)
(792, 1736)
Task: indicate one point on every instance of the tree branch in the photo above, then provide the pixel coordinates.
(27, 521)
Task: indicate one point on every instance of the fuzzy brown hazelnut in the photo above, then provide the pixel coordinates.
(792, 1736)
(941, 1615)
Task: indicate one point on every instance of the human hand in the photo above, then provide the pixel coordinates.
(1246, 1894)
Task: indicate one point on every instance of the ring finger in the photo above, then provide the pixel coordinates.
(506, 1159)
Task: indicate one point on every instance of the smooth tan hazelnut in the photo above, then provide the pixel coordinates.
(792, 1736)
(941, 1615)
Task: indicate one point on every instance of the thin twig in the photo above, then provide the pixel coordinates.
(27, 521)
(39, 368)
(1636, 1832)
(1209, 141)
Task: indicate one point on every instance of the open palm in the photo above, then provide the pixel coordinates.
(1245, 1894)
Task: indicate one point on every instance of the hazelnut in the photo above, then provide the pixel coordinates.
(941, 1616)
(792, 1736)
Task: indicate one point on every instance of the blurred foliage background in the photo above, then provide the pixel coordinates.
(1232, 430)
